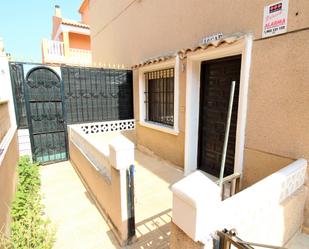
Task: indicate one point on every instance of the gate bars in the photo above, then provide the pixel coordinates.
(90, 94)
(44, 104)
(17, 81)
(97, 94)
(45, 113)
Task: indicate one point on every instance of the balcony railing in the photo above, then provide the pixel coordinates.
(56, 52)
(79, 56)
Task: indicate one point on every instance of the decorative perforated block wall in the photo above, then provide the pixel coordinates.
(110, 126)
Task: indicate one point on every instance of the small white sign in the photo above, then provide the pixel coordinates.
(275, 19)
(210, 38)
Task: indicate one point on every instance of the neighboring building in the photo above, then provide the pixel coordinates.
(8, 145)
(182, 85)
(70, 40)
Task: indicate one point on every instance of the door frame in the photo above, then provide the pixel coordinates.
(241, 47)
(201, 107)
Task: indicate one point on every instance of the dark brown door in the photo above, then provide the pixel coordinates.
(216, 78)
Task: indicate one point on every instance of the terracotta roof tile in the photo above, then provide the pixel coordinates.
(225, 40)
(154, 60)
(75, 23)
(182, 53)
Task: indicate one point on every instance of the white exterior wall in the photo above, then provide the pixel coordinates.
(6, 87)
(24, 142)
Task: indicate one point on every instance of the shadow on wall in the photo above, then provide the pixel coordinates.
(131, 135)
(151, 233)
(89, 198)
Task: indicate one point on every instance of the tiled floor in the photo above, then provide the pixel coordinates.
(79, 224)
(300, 241)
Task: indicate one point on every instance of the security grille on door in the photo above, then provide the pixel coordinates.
(159, 96)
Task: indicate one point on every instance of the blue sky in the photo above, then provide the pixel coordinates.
(23, 23)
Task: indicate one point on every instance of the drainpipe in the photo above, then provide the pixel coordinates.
(226, 136)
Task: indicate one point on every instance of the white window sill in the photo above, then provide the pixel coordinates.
(160, 127)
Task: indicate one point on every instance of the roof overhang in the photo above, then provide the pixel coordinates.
(75, 23)
(183, 53)
(72, 29)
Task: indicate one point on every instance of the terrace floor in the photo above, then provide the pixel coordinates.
(300, 241)
(80, 225)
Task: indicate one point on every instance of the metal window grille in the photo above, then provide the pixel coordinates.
(159, 96)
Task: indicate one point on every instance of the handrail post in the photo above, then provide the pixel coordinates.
(227, 131)
(130, 203)
(229, 237)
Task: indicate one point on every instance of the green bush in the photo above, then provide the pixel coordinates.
(29, 227)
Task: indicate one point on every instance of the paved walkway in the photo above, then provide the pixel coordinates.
(79, 224)
(300, 241)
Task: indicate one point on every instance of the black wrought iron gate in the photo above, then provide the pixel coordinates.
(45, 114)
(86, 95)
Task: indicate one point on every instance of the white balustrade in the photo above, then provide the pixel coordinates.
(54, 52)
(80, 56)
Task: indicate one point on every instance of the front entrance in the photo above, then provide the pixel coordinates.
(45, 113)
(216, 78)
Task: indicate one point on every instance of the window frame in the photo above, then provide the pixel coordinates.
(159, 96)
(172, 63)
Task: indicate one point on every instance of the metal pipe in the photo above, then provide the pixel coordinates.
(227, 131)
(130, 203)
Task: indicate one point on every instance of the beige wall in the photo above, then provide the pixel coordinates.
(150, 28)
(278, 113)
(278, 97)
(167, 146)
(8, 163)
(277, 80)
(106, 195)
(8, 177)
(258, 165)
(4, 118)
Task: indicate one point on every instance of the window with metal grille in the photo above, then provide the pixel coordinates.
(159, 96)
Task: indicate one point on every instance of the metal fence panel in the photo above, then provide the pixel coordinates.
(17, 81)
(97, 94)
